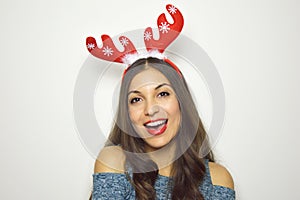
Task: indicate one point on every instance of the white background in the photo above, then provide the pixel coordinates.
(254, 45)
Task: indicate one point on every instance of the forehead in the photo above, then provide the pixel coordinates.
(147, 77)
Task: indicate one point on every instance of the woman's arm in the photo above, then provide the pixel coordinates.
(220, 176)
(110, 159)
(109, 179)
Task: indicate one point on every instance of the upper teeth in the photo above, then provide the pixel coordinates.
(156, 123)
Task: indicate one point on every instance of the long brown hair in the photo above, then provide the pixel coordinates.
(191, 140)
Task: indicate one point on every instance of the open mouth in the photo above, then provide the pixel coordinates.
(156, 127)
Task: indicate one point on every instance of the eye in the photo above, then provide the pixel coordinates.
(163, 94)
(135, 99)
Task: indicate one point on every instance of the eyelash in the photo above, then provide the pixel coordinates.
(136, 99)
(165, 94)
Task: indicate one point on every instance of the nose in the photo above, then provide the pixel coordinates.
(151, 108)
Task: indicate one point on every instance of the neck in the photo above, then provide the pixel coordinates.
(163, 157)
(166, 171)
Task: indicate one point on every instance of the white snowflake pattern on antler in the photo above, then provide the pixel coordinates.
(168, 32)
(124, 41)
(107, 51)
(90, 46)
(172, 9)
(164, 27)
(147, 35)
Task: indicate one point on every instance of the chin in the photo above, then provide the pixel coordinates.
(155, 145)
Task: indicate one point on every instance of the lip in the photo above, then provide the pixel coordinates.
(156, 120)
(158, 130)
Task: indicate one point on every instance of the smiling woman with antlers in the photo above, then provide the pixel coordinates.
(158, 147)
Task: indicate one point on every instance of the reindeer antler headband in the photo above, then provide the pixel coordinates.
(167, 34)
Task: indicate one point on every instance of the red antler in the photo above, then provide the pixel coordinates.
(109, 51)
(167, 32)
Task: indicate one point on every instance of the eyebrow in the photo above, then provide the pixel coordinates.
(157, 87)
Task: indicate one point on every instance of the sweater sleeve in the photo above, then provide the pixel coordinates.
(111, 186)
(223, 193)
(215, 192)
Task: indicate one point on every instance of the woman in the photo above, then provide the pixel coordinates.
(158, 148)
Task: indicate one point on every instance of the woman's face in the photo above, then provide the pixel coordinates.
(153, 108)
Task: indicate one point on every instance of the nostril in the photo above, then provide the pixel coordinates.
(150, 111)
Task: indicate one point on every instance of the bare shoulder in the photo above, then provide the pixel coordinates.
(220, 175)
(110, 159)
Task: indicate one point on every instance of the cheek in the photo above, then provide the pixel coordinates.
(131, 114)
(177, 116)
(134, 114)
(173, 108)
